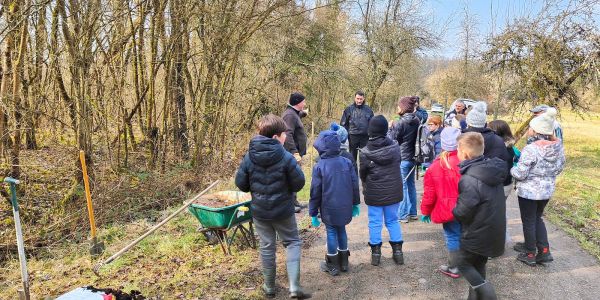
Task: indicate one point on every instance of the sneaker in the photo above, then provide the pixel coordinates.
(413, 217)
(404, 220)
(450, 271)
(520, 247)
(543, 256)
(527, 258)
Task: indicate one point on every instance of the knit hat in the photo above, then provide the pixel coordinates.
(407, 104)
(477, 116)
(296, 98)
(539, 108)
(378, 126)
(341, 132)
(544, 123)
(448, 138)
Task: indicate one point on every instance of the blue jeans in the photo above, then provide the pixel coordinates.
(452, 234)
(379, 214)
(408, 206)
(336, 238)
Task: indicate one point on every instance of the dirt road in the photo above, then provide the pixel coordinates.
(573, 275)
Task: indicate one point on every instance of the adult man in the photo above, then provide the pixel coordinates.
(542, 108)
(420, 112)
(356, 119)
(295, 141)
(458, 108)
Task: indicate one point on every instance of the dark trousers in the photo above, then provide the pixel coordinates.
(355, 142)
(472, 267)
(534, 229)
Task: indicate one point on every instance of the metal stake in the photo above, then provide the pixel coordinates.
(24, 294)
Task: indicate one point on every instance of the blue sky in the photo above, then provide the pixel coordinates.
(491, 16)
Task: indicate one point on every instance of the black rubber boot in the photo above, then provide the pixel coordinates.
(331, 264)
(397, 254)
(375, 254)
(269, 284)
(485, 291)
(344, 254)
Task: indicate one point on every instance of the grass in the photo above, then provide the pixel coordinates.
(575, 206)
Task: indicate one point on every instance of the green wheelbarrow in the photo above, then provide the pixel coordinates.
(226, 222)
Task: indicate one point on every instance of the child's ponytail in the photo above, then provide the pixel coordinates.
(444, 159)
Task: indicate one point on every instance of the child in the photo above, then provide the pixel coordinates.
(434, 124)
(481, 211)
(342, 134)
(541, 161)
(271, 174)
(502, 129)
(334, 193)
(382, 188)
(440, 191)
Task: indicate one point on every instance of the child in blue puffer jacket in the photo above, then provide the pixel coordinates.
(333, 193)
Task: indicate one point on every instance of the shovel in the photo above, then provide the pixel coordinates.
(96, 246)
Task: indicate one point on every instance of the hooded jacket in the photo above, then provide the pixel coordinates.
(440, 189)
(494, 147)
(537, 169)
(404, 132)
(334, 186)
(271, 175)
(356, 119)
(295, 141)
(481, 208)
(380, 172)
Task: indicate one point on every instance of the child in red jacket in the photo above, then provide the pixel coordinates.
(440, 191)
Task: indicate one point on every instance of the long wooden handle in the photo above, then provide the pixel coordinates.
(88, 195)
(126, 248)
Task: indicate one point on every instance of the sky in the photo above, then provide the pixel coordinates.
(491, 16)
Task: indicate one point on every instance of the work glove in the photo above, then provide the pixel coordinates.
(426, 219)
(315, 221)
(355, 210)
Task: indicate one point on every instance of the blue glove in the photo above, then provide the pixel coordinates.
(355, 210)
(315, 221)
(426, 219)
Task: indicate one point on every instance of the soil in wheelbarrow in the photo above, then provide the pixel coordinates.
(216, 201)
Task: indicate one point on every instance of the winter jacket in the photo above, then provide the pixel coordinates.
(271, 175)
(494, 147)
(481, 208)
(422, 115)
(435, 139)
(334, 187)
(440, 189)
(356, 119)
(404, 132)
(380, 172)
(295, 141)
(538, 166)
(343, 153)
(451, 115)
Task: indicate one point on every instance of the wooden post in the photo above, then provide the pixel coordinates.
(24, 294)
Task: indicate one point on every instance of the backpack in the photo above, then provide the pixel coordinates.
(424, 146)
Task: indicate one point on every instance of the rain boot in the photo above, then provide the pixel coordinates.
(331, 264)
(344, 254)
(296, 291)
(269, 285)
(397, 254)
(485, 291)
(375, 254)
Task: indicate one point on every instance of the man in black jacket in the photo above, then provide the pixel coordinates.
(481, 211)
(356, 119)
(295, 141)
(272, 175)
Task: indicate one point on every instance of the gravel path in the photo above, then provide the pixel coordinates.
(573, 275)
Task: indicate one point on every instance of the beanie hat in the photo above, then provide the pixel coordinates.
(378, 126)
(341, 132)
(407, 104)
(544, 123)
(449, 138)
(296, 98)
(477, 116)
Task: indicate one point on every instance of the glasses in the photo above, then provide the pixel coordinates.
(430, 124)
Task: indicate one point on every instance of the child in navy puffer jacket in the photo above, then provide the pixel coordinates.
(333, 193)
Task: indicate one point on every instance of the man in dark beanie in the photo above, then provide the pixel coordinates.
(356, 119)
(405, 132)
(295, 141)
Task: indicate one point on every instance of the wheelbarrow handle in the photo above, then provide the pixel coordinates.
(11, 180)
